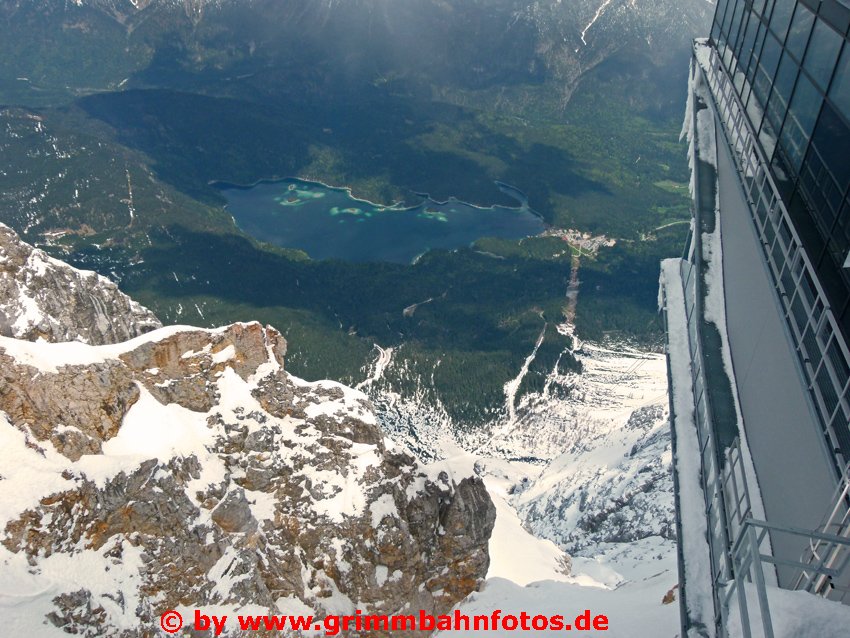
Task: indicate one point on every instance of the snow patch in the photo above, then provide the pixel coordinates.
(153, 430)
(596, 17)
(512, 386)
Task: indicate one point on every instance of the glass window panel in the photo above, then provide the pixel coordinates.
(836, 14)
(793, 143)
(815, 165)
(798, 35)
(775, 211)
(831, 194)
(832, 139)
(824, 213)
(733, 19)
(840, 90)
(754, 110)
(728, 60)
(736, 36)
(746, 45)
(761, 88)
(776, 110)
(738, 82)
(807, 179)
(800, 121)
(785, 77)
(747, 24)
(822, 53)
(770, 55)
(768, 9)
(781, 18)
(837, 248)
(805, 105)
(767, 138)
(715, 32)
(784, 232)
(720, 13)
(752, 65)
(762, 182)
(844, 220)
(745, 94)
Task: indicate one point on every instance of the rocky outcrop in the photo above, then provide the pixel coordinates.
(187, 469)
(43, 298)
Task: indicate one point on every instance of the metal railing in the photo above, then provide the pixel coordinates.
(750, 560)
(825, 560)
(821, 351)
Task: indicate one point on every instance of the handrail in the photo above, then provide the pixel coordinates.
(750, 160)
(825, 552)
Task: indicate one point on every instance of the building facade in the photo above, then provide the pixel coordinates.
(790, 68)
(758, 315)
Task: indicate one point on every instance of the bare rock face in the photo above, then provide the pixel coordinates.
(43, 298)
(186, 469)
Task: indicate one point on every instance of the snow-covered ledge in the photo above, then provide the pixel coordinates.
(694, 552)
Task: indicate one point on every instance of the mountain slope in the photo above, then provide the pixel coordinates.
(186, 468)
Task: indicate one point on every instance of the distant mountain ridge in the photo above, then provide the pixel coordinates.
(447, 41)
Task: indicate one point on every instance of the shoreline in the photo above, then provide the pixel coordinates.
(503, 187)
(224, 185)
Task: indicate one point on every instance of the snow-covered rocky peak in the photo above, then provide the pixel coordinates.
(187, 469)
(43, 298)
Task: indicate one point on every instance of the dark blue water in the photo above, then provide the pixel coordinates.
(328, 223)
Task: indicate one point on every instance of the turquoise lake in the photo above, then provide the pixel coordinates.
(328, 223)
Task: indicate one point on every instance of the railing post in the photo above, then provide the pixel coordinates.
(742, 603)
(761, 589)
